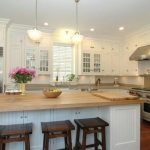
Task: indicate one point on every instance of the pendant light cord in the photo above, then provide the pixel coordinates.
(77, 17)
(36, 14)
(77, 22)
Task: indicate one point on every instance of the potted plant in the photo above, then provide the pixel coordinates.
(22, 75)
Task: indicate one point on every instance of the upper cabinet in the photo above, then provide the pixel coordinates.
(3, 25)
(91, 63)
(24, 52)
(127, 67)
(100, 57)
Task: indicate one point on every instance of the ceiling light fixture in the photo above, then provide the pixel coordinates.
(35, 34)
(121, 28)
(92, 29)
(45, 23)
(77, 37)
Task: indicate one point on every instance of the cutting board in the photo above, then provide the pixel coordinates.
(114, 96)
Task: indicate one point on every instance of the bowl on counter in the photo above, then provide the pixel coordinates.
(52, 93)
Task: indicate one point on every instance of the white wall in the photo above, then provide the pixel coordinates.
(132, 80)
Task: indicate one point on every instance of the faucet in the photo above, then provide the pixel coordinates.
(98, 82)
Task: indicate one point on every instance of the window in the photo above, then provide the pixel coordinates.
(62, 61)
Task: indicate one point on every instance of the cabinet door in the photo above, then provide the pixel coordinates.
(115, 63)
(2, 35)
(105, 64)
(31, 56)
(86, 63)
(36, 117)
(44, 61)
(7, 118)
(97, 64)
(125, 127)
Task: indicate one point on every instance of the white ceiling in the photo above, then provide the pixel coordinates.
(104, 15)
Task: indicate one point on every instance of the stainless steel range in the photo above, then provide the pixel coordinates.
(144, 93)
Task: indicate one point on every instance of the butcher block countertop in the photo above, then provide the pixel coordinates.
(37, 101)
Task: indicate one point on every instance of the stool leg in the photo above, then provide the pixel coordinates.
(95, 141)
(77, 138)
(84, 140)
(103, 139)
(46, 141)
(27, 142)
(69, 140)
(3, 146)
(65, 141)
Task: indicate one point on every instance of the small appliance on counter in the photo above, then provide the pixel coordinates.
(116, 84)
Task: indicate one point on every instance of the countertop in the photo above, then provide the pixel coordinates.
(37, 101)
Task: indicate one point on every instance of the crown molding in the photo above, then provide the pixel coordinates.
(4, 21)
(23, 27)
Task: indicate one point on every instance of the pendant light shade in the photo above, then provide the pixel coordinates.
(77, 37)
(35, 34)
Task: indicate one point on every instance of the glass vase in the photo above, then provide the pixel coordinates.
(22, 88)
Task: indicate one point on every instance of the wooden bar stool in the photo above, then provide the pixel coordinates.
(57, 129)
(89, 126)
(15, 133)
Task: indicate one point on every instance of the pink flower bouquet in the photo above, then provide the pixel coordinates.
(22, 74)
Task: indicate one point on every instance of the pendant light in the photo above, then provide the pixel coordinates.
(77, 37)
(35, 34)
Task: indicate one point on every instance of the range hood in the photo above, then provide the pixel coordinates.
(141, 53)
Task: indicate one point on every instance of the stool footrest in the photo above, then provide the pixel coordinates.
(57, 135)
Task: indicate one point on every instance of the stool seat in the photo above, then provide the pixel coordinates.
(15, 133)
(15, 129)
(91, 123)
(57, 126)
(57, 129)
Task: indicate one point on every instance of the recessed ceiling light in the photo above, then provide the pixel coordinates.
(92, 29)
(45, 23)
(121, 28)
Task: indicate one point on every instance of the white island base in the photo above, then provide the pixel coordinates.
(123, 132)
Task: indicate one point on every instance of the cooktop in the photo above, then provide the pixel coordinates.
(142, 89)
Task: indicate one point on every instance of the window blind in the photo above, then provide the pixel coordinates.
(62, 61)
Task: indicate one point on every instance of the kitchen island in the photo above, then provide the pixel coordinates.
(123, 117)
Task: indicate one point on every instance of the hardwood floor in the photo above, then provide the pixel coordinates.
(145, 135)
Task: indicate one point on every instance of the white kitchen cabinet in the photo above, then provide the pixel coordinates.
(127, 67)
(105, 63)
(90, 44)
(24, 52)
(38, 58)
(125, 125)
(91, 63)
(2, 35)
(114, 63)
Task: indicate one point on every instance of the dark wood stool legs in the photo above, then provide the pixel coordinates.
(96, 140)
(57, 129)
(90, 126)
(15, 133)
(27, 142)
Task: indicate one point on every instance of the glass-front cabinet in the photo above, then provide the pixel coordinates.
(31, 58)
(44, 60)
(97, 67)
(38, 58)
(91, 64)
(86, 58)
